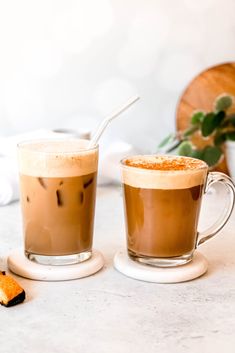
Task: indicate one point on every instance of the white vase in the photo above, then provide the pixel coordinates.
(230, 156)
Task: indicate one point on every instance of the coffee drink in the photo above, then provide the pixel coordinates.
(162, 204)
(58, 213)
(58, 189)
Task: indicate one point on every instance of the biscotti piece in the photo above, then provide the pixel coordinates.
(10, 291)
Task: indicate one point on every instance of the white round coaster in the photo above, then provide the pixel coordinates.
(19, 264)
(197, 267)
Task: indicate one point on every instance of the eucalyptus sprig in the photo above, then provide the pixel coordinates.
(218, 124)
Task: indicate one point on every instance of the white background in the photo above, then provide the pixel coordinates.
(68, 63)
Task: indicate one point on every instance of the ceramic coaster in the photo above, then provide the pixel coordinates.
(196, 268)
(19, 264)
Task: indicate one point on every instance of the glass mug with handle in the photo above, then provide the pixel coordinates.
(162, 201)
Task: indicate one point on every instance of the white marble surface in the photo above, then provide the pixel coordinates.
(112, 313)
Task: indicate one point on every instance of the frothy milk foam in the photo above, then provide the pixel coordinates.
(55, 158)
(163, 172)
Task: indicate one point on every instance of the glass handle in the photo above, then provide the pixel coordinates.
(226, 181)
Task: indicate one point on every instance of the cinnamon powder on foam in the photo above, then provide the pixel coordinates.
(165, 164)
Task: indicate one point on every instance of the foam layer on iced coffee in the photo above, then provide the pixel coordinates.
(57, 158)
(163, 172)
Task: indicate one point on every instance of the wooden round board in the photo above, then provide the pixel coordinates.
(201, 93)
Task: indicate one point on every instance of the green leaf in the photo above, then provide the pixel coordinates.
(196, 154)
(208, 125)
(190, 131)
(197, 117)
(218, 118)
(211, 155)
(219, 139)
(185, 148)
(231, 136)
(223, 102)
(166, 140)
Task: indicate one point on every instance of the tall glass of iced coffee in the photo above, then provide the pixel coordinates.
(162, 200)
(58, 192)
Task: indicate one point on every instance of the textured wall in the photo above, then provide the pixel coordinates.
(68, 63)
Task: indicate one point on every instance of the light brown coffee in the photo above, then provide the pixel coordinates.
(58, 190)
(162, 204)
(58, 214)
